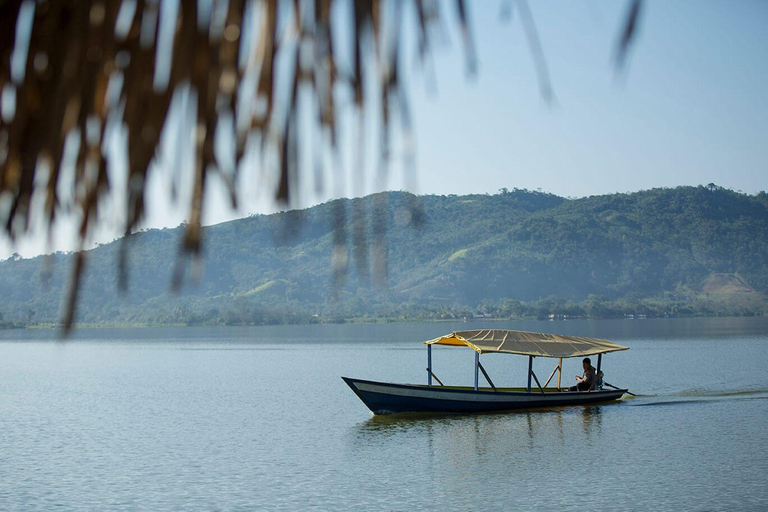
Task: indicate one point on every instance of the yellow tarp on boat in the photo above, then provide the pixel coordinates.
(527, 343)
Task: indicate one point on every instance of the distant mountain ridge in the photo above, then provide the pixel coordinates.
(702, 250)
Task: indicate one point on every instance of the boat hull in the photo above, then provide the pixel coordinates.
(388, 398)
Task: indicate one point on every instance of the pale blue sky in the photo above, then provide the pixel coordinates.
(691, 109)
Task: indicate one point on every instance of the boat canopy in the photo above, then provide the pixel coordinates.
(527, 343)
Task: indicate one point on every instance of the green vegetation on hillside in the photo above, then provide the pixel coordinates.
(681, 251)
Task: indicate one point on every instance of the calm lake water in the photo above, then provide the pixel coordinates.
(259, 418)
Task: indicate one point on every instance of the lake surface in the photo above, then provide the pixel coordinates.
(259, 418)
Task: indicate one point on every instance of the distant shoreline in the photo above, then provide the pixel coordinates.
(368, 321)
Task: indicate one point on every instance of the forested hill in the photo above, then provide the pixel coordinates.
(687, 250)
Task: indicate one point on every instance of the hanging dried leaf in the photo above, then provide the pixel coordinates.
(628, 34)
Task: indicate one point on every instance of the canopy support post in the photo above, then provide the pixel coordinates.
(530, 372)
(485, 373)
(598, 384)
(560, 371)
(557, 368)
(429, 365)
(437, 379)
(477, 368)
(537, 382)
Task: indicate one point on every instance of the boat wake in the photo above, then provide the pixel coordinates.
(724, 393)
(699, 396)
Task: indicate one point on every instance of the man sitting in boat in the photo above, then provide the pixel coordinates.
(587, 380)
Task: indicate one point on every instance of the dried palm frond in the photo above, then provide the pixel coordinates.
(74, 72)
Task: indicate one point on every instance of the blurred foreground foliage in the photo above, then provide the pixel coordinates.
(90, 84)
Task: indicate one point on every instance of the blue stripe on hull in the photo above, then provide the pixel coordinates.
(465, 400)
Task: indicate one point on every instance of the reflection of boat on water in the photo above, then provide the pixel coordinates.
(389, 398)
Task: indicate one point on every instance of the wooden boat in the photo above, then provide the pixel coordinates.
(389, 398)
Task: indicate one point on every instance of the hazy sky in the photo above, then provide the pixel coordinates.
(691, 108)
